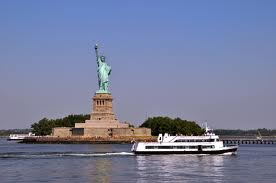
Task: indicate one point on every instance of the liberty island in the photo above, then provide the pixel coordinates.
(103, 122)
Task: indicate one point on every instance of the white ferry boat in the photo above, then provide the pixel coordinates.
(20, 136)
(208, 143)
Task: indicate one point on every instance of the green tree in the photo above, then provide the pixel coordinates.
(44, 126)
(172, 126)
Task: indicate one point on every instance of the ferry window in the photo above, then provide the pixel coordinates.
(165, 147)
(208, 147)
(195, 140)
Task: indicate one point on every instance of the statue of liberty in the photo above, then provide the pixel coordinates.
(104, 71)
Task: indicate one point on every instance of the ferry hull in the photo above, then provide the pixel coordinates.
(232, 150)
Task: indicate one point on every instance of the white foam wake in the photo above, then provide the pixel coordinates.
(99, 154)
(57, 155)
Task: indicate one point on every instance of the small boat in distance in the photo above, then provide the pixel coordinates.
(20, 136)
(209, 143)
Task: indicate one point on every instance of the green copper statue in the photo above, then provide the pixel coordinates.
(104, 71)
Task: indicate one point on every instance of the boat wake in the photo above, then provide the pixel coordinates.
(100, 154)
(58, 155)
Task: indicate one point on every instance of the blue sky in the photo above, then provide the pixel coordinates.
(198, 60)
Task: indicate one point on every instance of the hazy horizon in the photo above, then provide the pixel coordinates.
(211, 61)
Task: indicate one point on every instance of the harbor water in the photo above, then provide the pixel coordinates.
(32, 163)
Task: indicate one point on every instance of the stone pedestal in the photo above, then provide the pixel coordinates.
(102, 107)
(102, 115)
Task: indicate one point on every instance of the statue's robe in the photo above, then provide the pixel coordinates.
(104, 71)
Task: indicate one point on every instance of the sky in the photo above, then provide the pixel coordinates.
(199, 60)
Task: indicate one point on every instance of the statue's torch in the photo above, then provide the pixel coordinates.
(96, 49)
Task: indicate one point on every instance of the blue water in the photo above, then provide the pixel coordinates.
(32, 163)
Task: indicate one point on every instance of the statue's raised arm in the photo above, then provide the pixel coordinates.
(98, 59)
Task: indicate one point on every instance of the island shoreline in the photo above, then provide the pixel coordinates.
(86, 140)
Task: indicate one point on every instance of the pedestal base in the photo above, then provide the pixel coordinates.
(101, 124)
